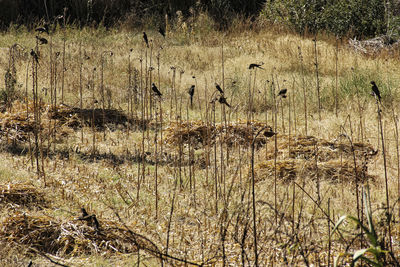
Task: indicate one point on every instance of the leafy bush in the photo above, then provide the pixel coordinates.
(360, 18)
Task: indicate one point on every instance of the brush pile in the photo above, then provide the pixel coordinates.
(76, 117)
(19, 122)
(199, 133)
(308, 156)
(70, 238)
(374, 45)
(21, 195)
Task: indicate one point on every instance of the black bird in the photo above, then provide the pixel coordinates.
(90, 219)
(254, 65)
(145, 39)
(269, 133)
(35, 56)
(41, 40)
(45, 29)
(96, 222)
(191, 93)
(375, 90)
(84, 213)
(219, 88)
(161, 31)
(282, 93)
(222, 100)
(155, 90)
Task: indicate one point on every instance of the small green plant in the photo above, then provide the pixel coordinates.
(374, 255)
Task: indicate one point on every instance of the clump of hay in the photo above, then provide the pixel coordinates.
(335, 170)
(286, 170)
(310, 147)
(309, 156)
(22, 195)
(199, 133)
(75, 117)
(71, 238)
(19, 122)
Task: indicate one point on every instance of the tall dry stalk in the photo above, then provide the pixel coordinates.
(304, 90)
(396, 138)
(36, 107)
(103, 101)
(94, 101)
(389, 220)
(275, 111)
(63, 56)
(336, 77)
(253, 194)
(317, 76)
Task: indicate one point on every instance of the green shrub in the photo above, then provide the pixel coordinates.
(360, 18)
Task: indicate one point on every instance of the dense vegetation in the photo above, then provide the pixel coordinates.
(360, 18)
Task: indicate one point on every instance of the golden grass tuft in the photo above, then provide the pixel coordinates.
(20, 194)
(69, 238)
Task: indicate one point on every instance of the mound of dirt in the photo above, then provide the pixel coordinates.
(22, 195)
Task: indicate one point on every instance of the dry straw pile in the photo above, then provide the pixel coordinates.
(308, 156)
(199, 133)
(69, 238)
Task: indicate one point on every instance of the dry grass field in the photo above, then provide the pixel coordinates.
(164, 182)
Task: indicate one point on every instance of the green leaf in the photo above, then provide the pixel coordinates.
(372, 237)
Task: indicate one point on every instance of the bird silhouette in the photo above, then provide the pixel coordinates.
(375, 90)
(84, 213)
(222, 100)
(254, 65)
(90, 219)
(269, 133)
(45, 29)
(282, 93)
(219, 88)
(145, 39)
(155, 90)
(35, 56)
(41, 40)
(161, 31)
(191, 93)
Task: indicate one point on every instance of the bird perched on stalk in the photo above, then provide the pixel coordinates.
(375, 91)
(219, 88)
(43, 29)
(145, 39)
(155, 90)
(222, 100)
(161, 31)
(254, 65)
(41, 40)
(35, 56)
(282, 93)
(269, 133)
(191, 93)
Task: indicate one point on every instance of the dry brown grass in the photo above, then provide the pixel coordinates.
(202, 168)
